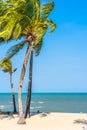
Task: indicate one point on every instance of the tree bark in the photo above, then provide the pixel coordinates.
(13, 96)
(21, 115)
(29, 86)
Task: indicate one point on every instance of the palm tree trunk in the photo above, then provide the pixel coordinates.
(13, 96)
(21, 115)
(29, 87)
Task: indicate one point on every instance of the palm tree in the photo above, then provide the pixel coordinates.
(45, 11)
(6, 66)
(29, 86)
(28, 19)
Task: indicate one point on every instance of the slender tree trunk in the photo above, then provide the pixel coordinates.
(13, 95)
(21, 115)
(29, 86)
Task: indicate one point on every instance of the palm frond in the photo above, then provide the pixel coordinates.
(6, 65)
(17, 18)
(37, 9)
(17, 31)
(38, 48)
(15, 49)
(33, 9)
(39, 28)
(13, 21)
(46, 9)
(7, 30)
(51, 25)
(30, 7)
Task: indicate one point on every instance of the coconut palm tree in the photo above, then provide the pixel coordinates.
(45, 11)
(37, 51)
(27, 111)
(25, 18)
(6, 66)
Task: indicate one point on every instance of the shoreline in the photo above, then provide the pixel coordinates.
(46, 121)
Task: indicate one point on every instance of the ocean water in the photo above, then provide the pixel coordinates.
(49, 102)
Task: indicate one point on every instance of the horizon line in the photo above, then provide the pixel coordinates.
(44, 92)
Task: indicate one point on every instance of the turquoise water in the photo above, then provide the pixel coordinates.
(49, 102)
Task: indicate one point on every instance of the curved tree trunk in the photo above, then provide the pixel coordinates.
(29, 87)
(21, 115)
(13, 95)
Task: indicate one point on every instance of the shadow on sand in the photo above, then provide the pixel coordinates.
(42, 114)
(81, 121)
(7, 115)
(10, 115)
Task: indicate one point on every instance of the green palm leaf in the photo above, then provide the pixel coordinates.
(38, 48)
(15, 49)
(46, 9)
(25, 14)
(51, 25)
(6, 65)
(21, 17)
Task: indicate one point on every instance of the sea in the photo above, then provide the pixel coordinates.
(48, 102)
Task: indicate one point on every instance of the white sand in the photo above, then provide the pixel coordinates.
(51, 121)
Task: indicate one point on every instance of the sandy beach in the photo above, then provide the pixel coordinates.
(43, 121)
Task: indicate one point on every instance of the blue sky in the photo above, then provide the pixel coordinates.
(62, 63)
